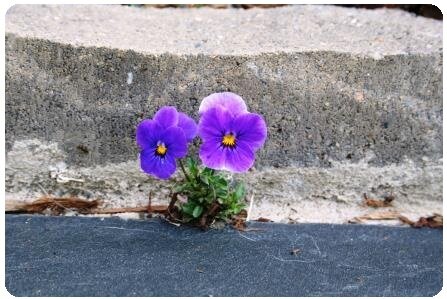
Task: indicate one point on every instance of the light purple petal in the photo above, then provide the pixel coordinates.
(148, 133)
(214, 124)
(175, 141)
(162, 168)
(212, 155)
(167, 116)
(225, 100)
(250, 128)
(239, 159)
(188, 125)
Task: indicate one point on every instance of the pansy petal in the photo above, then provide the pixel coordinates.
(148, 160)
(175, 141)
(167, 116)
(188, 125)
(214, 124)
(162, 168)
(226, 100)
(239, 159)
(212, 155)
(250, 128)
(148, 133)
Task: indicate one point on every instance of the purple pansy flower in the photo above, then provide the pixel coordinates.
(164, 139)
(226, 100)
(230, 139)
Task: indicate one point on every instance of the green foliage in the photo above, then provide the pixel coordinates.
(203, 186)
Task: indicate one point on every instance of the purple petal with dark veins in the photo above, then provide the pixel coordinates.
(148, 133)
(162, 168)
(175, 142)
(212, 155)
(214, 124)
(239, 159)
(250, 128)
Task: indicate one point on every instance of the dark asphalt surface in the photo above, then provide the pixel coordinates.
(79, 256)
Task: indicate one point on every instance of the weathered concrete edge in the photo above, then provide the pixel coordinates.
(248, 55)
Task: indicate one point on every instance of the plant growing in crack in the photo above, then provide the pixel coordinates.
(230, 137)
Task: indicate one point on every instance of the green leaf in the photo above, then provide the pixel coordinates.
(205, 179)
(206, 186)
(221, 183)
(208, 171)
(197, 211)
(188, 208)
(191, 164)
(240, 191)
(237, 209)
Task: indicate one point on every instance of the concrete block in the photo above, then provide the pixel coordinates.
(335, 85)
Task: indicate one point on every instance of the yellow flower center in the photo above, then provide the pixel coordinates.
(229, 140)
(161, 149)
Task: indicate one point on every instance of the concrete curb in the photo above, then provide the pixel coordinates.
(336, 86)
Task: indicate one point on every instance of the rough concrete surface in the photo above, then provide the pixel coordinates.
(300, 28)
(348, 95)
(319, 102)
(302, 194)
(73, 256)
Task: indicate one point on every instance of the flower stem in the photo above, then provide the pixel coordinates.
(184, 170)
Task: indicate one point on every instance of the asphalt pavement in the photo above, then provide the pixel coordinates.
(84, 256)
